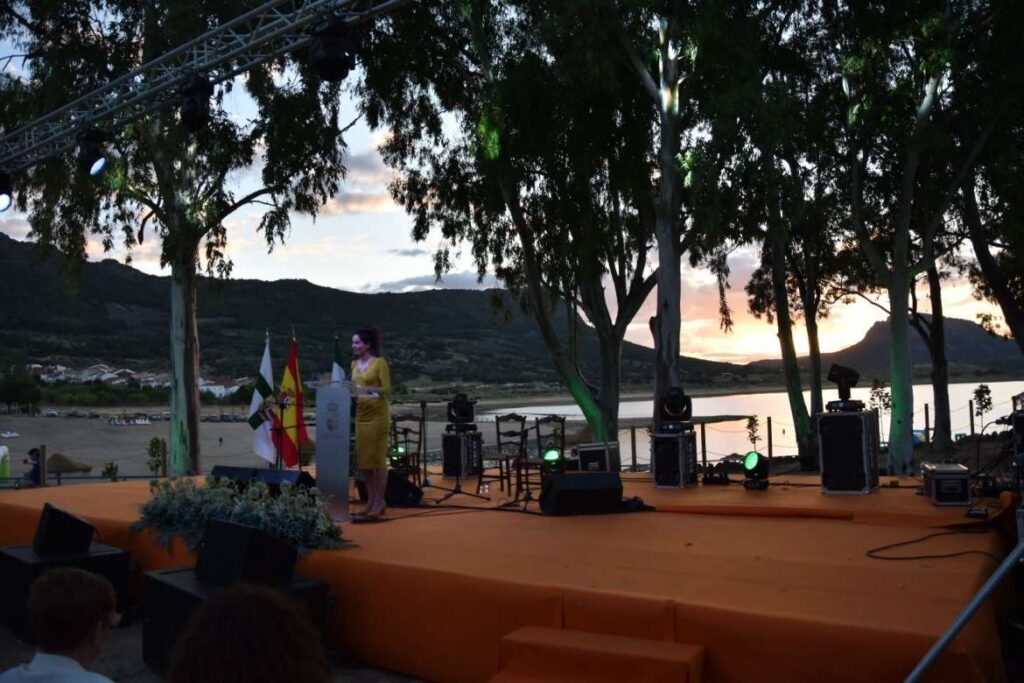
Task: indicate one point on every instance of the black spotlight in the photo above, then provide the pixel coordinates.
(755, 469)
(845, 378)
(92, 158)
(675, 406)
(195, 103)
(6, 191)
(460, 410)
(332, 49)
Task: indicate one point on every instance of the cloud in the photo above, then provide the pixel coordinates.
(419, 283)
(410, 252)
(15, 227)
(353, 202)
(367, 168)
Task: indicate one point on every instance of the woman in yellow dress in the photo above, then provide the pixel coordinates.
(371, 375)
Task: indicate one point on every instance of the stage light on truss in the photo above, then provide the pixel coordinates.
(195, 103)
(675, 406)
(6, 191)
(332, 49)
(92, 158)
(755, 469)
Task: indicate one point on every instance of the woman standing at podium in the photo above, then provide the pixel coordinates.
(372, 377)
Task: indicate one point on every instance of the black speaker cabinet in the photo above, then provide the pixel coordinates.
(581, 493)
(240, 475)
(170, 596)
(399, 493)
(62, 533)
(946, 484)
(274, 478)
(674, 459)
(460, 454)
(848, 443)
(232, 552)
(599, 457)
(20, 565)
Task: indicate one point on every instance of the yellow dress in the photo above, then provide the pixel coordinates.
(373, 415)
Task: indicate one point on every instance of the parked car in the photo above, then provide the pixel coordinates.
(50, 412)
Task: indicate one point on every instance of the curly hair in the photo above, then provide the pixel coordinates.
(249, 633)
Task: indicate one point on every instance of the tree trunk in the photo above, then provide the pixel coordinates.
(183, 445)
(814, 349)
(791, 368)
(610, 349)
(1013, 310)
(901, 425)
(942, 439)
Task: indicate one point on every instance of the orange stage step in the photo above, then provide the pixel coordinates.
(535, 653)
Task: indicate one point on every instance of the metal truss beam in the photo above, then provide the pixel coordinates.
(270, 30)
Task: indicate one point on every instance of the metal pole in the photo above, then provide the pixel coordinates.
(632, 443)
(927, 424)
(965, 616)
(769, 438)
(43, 474)
(970, 413)
(703, 448)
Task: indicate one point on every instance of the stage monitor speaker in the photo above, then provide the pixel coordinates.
(460, 454)
(848, 449)
(274, 478)
(231, 552)
(581, 493)
(61, 533)
(674, 459)
(240, 475)
(400, 492)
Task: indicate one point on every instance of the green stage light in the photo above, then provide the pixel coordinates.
(552, 455)
(755, 467)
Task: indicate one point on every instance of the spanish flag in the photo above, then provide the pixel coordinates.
(292, 433)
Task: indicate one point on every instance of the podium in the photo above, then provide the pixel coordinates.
(333, 431)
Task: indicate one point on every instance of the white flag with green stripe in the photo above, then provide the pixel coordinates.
(261, 410)
(337, 368)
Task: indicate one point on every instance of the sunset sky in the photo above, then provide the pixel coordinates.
(362, 243)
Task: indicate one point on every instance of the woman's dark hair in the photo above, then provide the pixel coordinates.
(65, 605)
(249, 633)
(372, 338)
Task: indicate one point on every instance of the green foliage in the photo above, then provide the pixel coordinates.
(156, 453)
(180, 507)
(753, 427)
(110, 470)
(881, 398)
(18, 387)
(982, 401)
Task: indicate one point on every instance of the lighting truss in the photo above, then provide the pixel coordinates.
(263, 33)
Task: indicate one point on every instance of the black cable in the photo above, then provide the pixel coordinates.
(873, 553)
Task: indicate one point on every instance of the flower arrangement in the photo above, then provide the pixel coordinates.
(180, 507)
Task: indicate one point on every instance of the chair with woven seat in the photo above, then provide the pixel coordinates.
(550, 433)
(408, 439)
(512, 435)
(499, 459)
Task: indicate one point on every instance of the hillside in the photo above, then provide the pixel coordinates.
(969, 348)
(120, 316)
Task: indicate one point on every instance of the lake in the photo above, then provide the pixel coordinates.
(725, 438)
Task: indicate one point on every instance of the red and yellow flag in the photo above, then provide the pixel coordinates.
(292, 433)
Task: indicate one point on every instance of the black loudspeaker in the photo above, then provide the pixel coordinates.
(170, 596)
(400, 492)
(460, 454)
(232, 552)
(61, 533)
(848, 443)
(274, 478)
(674, 459)
(240, 475)
(21, 565)
(581, 493)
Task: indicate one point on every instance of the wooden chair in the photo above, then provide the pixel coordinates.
(408, 445)
(507, 446)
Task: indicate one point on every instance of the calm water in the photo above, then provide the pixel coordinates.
(725, 438)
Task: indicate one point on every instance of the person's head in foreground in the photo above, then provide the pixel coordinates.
(249, 633)
(70, 612)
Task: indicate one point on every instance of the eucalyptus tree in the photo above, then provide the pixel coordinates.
(166, 183)
(900, 71)
(515, 135)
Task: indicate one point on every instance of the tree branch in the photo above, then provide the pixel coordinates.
(245, 200)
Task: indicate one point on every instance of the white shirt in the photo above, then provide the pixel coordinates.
(53, 669)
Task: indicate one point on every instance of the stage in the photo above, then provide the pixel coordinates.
(771, 585)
